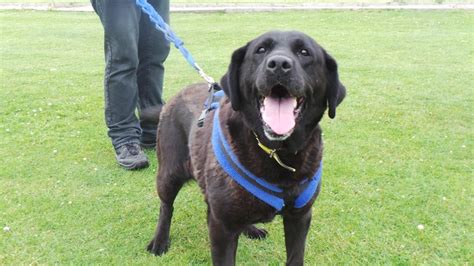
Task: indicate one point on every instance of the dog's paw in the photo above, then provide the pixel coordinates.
(253, 232)
(158, 248)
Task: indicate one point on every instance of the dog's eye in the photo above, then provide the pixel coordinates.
(304, 52)
(261, 50)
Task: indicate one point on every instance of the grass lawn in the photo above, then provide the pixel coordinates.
(398, 156)
(265, 1)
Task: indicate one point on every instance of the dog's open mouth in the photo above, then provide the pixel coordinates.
(279, 112)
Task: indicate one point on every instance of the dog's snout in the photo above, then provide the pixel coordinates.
(279, 63)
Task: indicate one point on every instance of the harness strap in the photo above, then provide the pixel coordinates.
(308, 193)
(264, 191)
(215, 94)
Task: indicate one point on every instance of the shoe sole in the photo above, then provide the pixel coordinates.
(135, 166)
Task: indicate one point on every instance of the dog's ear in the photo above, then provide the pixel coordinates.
(335, 91)
(230, 81)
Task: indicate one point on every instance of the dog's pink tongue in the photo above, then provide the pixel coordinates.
(278, 114)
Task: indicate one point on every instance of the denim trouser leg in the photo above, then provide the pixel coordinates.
(134, 55)
(153, 50)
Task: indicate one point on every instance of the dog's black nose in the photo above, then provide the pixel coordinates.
(279, 63)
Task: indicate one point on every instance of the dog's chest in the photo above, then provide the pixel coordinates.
(225, 197)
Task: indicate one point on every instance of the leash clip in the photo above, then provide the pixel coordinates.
(203, 75)
(213, 87)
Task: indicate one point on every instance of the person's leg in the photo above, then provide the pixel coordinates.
(120, 19)
(153, 50)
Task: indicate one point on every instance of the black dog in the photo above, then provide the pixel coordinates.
(278, 87)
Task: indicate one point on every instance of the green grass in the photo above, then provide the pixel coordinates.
(399, 153)
(266, 1)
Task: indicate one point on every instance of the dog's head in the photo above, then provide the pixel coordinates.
(282, 82)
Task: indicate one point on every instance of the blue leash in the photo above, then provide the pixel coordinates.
(162, 26)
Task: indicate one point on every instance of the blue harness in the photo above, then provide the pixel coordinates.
(264, 191)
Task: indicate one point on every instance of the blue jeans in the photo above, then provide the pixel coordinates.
(134, 55)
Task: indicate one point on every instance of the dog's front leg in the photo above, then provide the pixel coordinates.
(296, 227)
(223, 242)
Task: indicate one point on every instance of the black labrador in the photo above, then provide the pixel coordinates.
(278, 87)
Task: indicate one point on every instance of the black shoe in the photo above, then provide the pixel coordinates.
(130, 156)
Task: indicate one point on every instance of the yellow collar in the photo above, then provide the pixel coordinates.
(273, 154)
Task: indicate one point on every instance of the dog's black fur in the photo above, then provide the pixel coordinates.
(304, 70)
